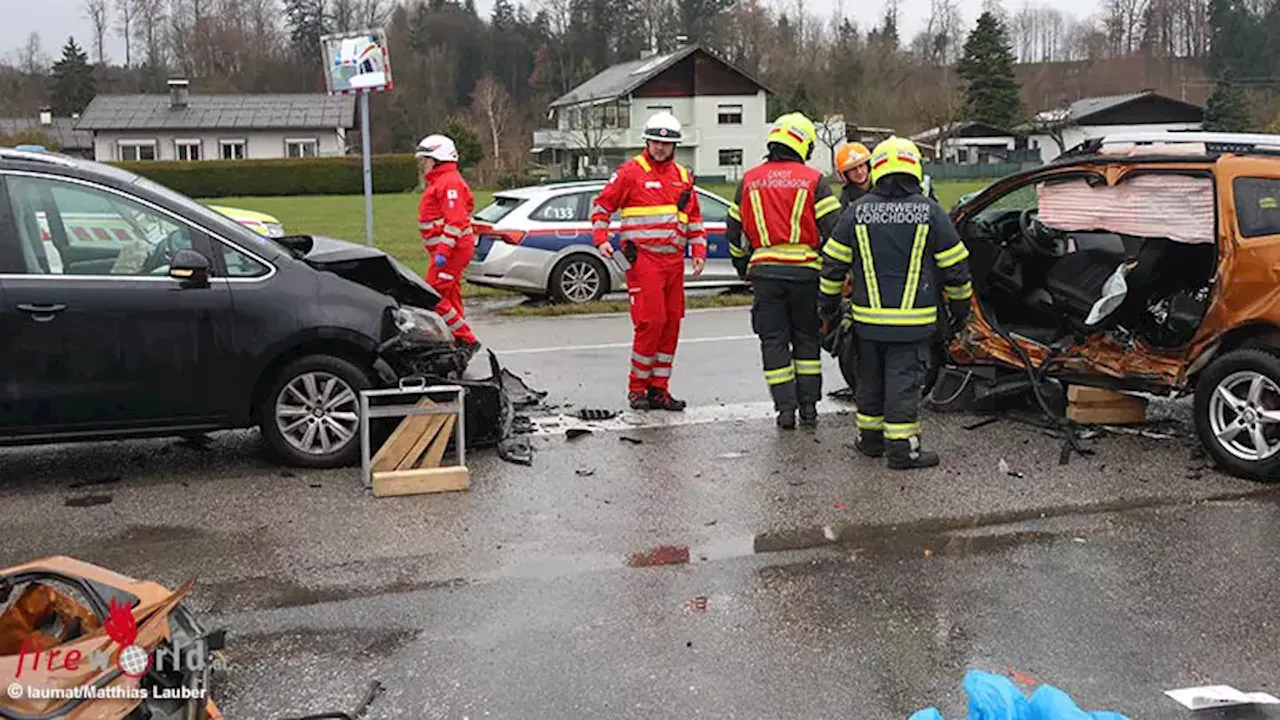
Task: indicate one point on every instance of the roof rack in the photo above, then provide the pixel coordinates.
(9, 153)
(1177, 142)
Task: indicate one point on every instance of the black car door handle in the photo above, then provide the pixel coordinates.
(42, 313)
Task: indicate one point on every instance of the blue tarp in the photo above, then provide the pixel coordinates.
(993, 697)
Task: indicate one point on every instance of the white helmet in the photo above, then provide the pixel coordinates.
(663, 127)
(439, 147)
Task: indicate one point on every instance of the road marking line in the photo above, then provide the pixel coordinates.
(643, 419)
(610, 346)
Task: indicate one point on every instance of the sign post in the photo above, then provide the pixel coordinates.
(359, 63)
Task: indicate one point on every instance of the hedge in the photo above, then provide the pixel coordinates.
(285, 176)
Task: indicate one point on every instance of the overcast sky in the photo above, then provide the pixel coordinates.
(54, 20)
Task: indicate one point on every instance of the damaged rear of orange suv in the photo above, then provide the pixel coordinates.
(1141, 262)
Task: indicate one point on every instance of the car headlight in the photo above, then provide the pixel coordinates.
(275, 230)
(421, 324)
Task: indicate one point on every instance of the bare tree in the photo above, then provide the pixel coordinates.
(98, 14)
(127, 11)
(151, 21)
(375, 13)
(343, 14)
(492, 107)
(589, 132)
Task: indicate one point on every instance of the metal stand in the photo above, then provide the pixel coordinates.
(410, 386)
(368, 171)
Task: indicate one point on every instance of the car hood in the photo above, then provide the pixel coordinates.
(362, 264)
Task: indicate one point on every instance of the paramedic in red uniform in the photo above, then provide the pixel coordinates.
(660, 217)
(444, 219)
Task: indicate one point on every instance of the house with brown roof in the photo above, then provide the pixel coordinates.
(186, 126)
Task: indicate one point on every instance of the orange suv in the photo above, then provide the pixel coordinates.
(1145, 262)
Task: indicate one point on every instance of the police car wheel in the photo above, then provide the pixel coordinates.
(579, 279)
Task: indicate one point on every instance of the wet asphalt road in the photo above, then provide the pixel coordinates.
(802, 581)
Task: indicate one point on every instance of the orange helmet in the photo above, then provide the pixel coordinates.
(851, 155)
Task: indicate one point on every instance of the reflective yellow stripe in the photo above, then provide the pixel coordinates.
(797, 212)
(868, 267)
(961, 292)
(758, 213)
(951, 255)
(895, 316)
(735, 213)
(650, 210)
(808, 367)
(870, 422)
(794, 255)
(827, 286)
(913, 268)
(780, 375)
(644, 163)
(684, 174)
(826, 206)
(901, 431)
(838, 251)
(736, 250)
(682, 217)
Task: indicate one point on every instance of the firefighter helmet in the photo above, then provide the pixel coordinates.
(663, 127)
(896, 155)
(795, 131)
(438, 147)
(851, 155)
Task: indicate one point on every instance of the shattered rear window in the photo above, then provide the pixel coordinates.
(1178, 207)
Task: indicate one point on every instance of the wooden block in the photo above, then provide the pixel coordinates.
(436, 452)
(406, 435)
(1097, 406)
(421, 481)
(434, 424)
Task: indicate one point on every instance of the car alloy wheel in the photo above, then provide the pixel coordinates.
(317, 413)
(1244, 415)
(579, 279)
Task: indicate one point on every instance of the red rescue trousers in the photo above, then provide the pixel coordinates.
(446, 281)
(655, 286)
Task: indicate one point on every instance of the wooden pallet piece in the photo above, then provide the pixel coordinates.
(1096, 406)
(421, 481)
(402, 440)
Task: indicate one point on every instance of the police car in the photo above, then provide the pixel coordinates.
(537, 240)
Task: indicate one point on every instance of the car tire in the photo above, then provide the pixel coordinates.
(328, 440)
(579, 278)
(1252, 379)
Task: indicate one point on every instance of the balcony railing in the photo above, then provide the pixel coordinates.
(598, 138)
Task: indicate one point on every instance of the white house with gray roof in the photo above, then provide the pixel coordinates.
(1055, 131)
(184, 126)
(722, 109)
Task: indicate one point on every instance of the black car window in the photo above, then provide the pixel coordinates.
(501, 206)
(570, 207)
(240, 265)
(71, 229)
(1257, 206)
(713, 210)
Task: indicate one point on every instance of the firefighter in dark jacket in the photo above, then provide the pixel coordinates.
(781, 212)
(897, 244)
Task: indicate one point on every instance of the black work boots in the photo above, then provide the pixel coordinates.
(907, 455)
(662, 400)
(808, 417)
(870, 443)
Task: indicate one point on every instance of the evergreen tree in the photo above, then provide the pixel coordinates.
(306, 22)
(504, 15)
(1226, 110)
(73, 85)
(470, 150)
(992, 95)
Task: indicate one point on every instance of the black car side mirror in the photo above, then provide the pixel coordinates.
(190, 267)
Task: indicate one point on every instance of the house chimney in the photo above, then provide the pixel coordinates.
(682, 40)
(178, 92)
(46, 116)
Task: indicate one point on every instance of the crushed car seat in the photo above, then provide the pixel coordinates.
(1075, 284)
(43, 618)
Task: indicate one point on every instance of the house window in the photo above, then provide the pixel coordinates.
(730, 158)
(233, 149)
(730, 115)
(652, 109)
(301, 147)
(137, 149)
(611, 116)
(187, 150)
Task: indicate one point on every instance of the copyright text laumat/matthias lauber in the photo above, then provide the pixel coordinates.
(18, 691)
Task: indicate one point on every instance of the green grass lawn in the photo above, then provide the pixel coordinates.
(395, 226)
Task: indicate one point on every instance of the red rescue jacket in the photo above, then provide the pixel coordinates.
(779, 204)
(444, 213)
(647, 195)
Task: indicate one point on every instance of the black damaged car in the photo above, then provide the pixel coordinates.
(129, 310)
